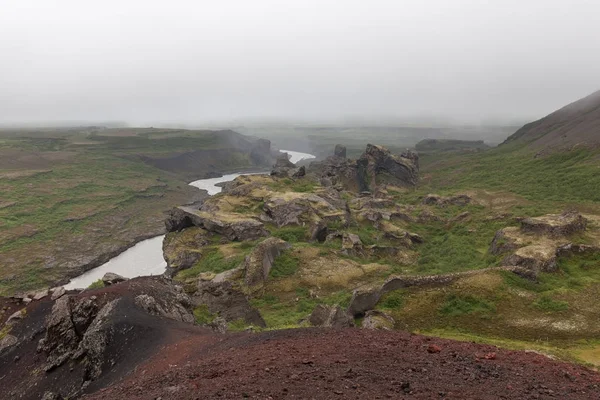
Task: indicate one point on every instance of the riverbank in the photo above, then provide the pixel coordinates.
(144, 256)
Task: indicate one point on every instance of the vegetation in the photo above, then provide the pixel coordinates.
(284, 265)
(213, 261)
(83, 191)
(457, 305)
(96, 284)
(202, 315)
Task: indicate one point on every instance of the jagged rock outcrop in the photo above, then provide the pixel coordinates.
(377, 165)
(80, 328)
(381, 164)
(110, 278)
(339, 151)
(283, 167)
(375, 319)
(258, 263)
(223, 299)
(536, 257)
(330, 317)
(506, 240)
(232, 227)
(555, 225)
(301, 208)
(178, 311)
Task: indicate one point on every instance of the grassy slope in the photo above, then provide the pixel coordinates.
(69, 195)
(558, 315)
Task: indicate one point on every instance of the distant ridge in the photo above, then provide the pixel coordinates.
(577, 124)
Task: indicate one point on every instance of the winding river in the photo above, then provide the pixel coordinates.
(146, 257)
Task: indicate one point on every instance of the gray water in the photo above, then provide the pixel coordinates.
(146, 257)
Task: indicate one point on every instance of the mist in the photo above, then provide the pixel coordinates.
(197, 62)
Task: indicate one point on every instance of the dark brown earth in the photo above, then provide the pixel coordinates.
(347, 364)
(152, 357)
(575, 124)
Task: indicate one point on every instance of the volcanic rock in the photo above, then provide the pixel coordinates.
(110, 278)
(258, 263)
(555, 225)
(330, 317)
(375, 319)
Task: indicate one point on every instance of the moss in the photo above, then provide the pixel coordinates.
(284, 265)
(291, 234)
(202, 315)
(238, 325)
(212, 261)
(96, 284)
(547, 304)
(457, 305)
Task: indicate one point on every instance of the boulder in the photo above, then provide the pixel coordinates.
(17, 315)
(58, 293)
(110, 278)
(300, 172)
(258, 263)
(283, 167)
(537, 257)
(375, 319)
(7, 341)
(351, 244)
(363, 300)
(182, 250)
(229, 303)
(300, 209)
(339, 151)
(177, 311)
(232, 227)
(505, 240)
(555, 225)
(40, 294)
(330, 317)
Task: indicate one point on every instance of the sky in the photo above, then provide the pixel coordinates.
(186, 61)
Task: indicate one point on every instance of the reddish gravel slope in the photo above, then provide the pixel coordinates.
(348, 364)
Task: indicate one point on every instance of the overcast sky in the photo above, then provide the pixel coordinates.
(144, 61)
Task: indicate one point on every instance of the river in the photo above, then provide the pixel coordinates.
(146, 257)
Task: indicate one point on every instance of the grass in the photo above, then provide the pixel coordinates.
(212, 261)
(547, 304)
(291, 234)
(458, 305)
(84, 198)
(284, 265)
(96, 284)
(570, 176)
(202, 315)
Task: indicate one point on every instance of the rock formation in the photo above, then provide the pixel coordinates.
(377, 165)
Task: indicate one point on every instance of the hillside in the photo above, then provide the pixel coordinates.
(573, 125)
(72, 198)
(358, 245)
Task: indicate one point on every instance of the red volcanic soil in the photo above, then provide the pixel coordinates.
(347, 364)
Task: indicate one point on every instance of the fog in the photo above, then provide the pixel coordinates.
(185, 61)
